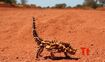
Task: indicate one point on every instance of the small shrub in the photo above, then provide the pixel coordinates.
(63, 5)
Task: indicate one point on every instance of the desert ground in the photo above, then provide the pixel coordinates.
(80, 28)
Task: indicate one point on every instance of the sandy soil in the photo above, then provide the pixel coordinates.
(81, 28)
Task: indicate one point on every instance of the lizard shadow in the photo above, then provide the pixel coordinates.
(60, 58)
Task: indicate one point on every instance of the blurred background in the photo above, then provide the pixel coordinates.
(55, 3)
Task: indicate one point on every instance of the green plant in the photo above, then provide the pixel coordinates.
(10, 1)
(90, 3)
(79, 6)
(102, 2)
(63, 5)
(23, 2)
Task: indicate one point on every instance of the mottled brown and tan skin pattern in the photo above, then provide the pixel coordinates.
(51, 46)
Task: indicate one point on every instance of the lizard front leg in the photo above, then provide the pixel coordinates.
(39, 51)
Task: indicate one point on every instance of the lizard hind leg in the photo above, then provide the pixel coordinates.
(39, 51)
(52, 54)
(66, 55)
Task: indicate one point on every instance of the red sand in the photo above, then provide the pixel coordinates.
(81, 28)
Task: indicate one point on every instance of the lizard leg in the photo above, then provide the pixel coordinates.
(65, 53)
(39, 51)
